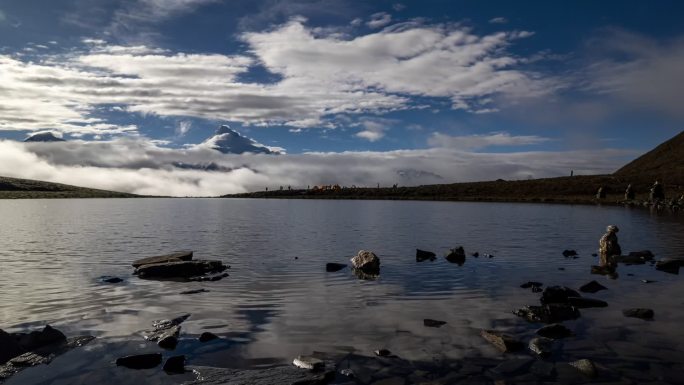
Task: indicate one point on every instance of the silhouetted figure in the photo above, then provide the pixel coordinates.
(657, 191)
(629, 193)
(601, 193)
(266, 188)
(572, 172)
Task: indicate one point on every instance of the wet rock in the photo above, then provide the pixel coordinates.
(196, 291)
(513, 367)
(608, 244)
(476, 254)
(555, 331)
(532, 284)
(586, 367)
(584, 303)
(646, 314)
(551, 313)
(648, 281)
(280, 375)
(140, 361)
(208, 278)
(169, 338)
(431, 323)
(645, 255)
(456, 255)
(669, 265)
(557, 294)
(166, 332)
(537, 289)
(365, 275)
(367, 262)
(569, 253)
(9, 347)
(347, 373)
(504, 342)
(423, 255)
(180, 269)
(37, 339)
(592, 287)
(383, 353)
(110, 279)
(309, 363)
(541, 346)
(333, 267)
(175, 365)
(207, 336)
(173, 257)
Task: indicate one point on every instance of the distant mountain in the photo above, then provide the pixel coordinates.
(665, 162)
(229, 141)
(44, 137)
(26, 188)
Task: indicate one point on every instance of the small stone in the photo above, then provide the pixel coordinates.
(110, 279)
(347, 373)
(532, 284)
(541, 346)
(175, 365)
(141, 361)
(431, 323)
(569, 253)
(550, 313)
(423, 255)
(476, 254)
(592, 287)
(585, 367)
(196, 291)
(309, 363)
(207, 336)
(647, 281)
(555, 331)
(504, 342)
(333, 267)
(383, 353)
(645, 314)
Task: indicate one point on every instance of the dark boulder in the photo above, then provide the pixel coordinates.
(180, 269)
(39, 339)
(333, 267)
(140, 361)
(646, 314)
(173, 257)
(550, 313)
(669, 265)
(592, 287)
(431, 323)
(169, 338)
(557, 294)
(569, 253)
(174, 365)
(504, 342)
(207, 336)
(367, 262)
(422, 255)
(555, 331)
(456, 255)
(9, 347)
(541, 346)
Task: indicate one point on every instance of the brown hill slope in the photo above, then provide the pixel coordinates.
(665, 162)
(25, 188)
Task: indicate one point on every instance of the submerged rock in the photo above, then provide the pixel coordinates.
(140, 361)
(557, 294)
(383, 353)
(423, 255)
(532, 284)
(569, 253)
(642, 313)
(280, 375)
(309, 363)
(207, 336)
(173, 257)
(175, 365)
(196, 291)
(367, 262)
(585, 367)
(592, 287)
(431, 323)
(555, 331)
(456, 255)
(166, 332)
(550, 313)
(504, 342)
(669, 265)
(180, 269)
(333, 267)
(110, 279)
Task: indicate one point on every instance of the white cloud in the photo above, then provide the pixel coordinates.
(183, 127)
(137, 166)
(374, 128)
(477, 142)
(379, 20)
(498, 20)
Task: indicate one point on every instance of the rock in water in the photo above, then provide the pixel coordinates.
(207, 336)
(501, 341)
(110, 279)
(550, 313)
(456, 255)
(646, 314)
(585, 367)
(169, 338)
(141, 361)
(431, 323)
(366, 261)
(180, 269)
(557, 294)
(333, 267)
(541, 346)
(310, 363)
(555, 331)
(530, 284)
(280, 375)
(39, 339)
(422, 255)
(383, 353)
(569, 253)
(592, 287)
(608, 245)
(175, 365)
(9, 347)
(173, 257)
(196, 291)
(669, 265)
(166, 332)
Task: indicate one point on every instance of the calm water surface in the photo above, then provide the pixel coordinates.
(279, 302)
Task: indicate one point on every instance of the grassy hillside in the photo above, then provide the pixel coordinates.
(665, 163)
(13, 188)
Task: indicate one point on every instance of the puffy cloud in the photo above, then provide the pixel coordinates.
(137, 166)
(374, 128)
(477, 142)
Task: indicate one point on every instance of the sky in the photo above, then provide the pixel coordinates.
(333, 91)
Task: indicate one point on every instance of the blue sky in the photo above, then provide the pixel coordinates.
(495, 77)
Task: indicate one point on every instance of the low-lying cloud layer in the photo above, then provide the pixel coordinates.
(137, 166)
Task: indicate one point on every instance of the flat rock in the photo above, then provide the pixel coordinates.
(551, 313)
(586, 367)
(541, 346)
(423, 255)
(592, 287)
(280, 375)
(333, 267)
(431, 323)
(166, 331)
(669, 265)
(642, 313)
(555, 331)
(309, 363)
(173, 257)
(175, 365)
(504, 342)
(207, 336)
(140, 361)
(180, 269)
